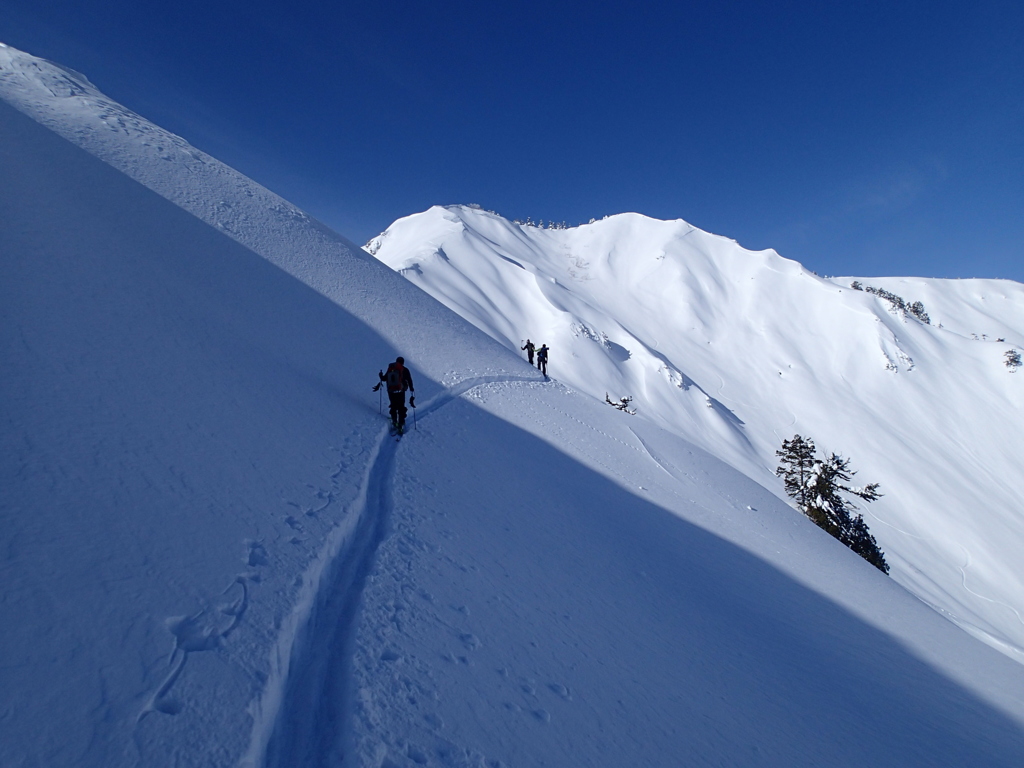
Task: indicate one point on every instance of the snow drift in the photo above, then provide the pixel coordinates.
(213, 554)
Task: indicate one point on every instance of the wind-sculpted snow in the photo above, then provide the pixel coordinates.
(737, 350)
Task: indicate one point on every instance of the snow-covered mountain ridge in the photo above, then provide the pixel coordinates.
(737, 350)
(212, 553)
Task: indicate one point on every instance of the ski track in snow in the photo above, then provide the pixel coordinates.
(675, 475)
(304, 714)
(963, 574)
(650, 453)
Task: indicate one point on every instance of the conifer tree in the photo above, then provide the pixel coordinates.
(820, 488)
(797, 462)
(863, 543)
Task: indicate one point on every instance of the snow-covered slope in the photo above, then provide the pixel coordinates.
(736, 350)
(185, 428)
(212, 553)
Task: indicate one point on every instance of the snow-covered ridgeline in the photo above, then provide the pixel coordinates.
(736, 350)
(68, 104)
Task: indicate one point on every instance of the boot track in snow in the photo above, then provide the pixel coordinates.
(304, 715)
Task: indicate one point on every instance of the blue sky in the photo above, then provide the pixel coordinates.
(862, 138)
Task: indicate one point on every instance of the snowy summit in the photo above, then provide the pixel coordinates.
(737, 350)
(214, 552)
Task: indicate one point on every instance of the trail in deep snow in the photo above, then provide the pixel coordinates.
(309, 715)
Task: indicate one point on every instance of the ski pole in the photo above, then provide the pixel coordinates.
(412, 402)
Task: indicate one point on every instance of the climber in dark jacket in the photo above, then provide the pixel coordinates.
(397, 379)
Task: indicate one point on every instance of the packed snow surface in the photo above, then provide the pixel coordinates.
(212, 553)
(737, 350)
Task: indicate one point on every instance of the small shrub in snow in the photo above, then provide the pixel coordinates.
(1013, 361)
(818, 487)
(622, 404)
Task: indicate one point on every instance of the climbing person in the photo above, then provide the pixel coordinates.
(542, 359)
(397, 380)
(529, 350)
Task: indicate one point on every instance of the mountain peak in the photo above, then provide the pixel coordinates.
(736, 350)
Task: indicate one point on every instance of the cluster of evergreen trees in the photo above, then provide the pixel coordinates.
(1013, 361)
(529, 222)
(818, 487)
(898, 302)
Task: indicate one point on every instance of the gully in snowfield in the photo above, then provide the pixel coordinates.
(397, 380)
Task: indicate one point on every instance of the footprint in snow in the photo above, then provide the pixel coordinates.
(417, 755)
(257, 555)
(202, 631)
(561, 690)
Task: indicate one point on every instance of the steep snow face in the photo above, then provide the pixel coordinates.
(736, 350)
(187, 429)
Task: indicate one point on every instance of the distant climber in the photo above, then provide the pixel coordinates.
(529, 350)
(397, 379)
(542, 359)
